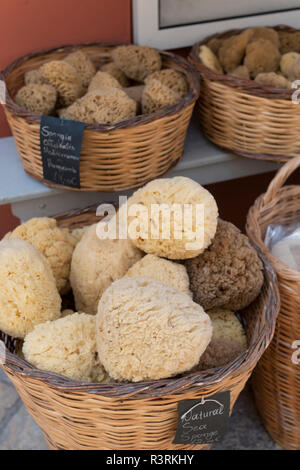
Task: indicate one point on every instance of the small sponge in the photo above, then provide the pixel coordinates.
(34, 77)
(182, 201)
(56, 244)
(117, 73)
(295, 72)
(28, 293)
(272, 78)
(261, 56)
(136, 61)
(289, 41)
(261, 32)
(147, 330)
(83, 66)
(209, 59)
(64, 78)
(37, 98)
(172, 79)
(66, 346)
(96, 264)
(157, 96)
(162, 270)
(288, 61)
(103, 79)
(232, 50)
(241, 71)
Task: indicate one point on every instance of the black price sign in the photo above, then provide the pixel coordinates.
(203, 421)
(60, 142)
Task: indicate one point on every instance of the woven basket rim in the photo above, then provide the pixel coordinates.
(163, 387)
(244, 84)
(190, 75)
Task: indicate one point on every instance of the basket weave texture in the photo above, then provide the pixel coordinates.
(276, 380)
(139, 415)
(248, 118)
(113, 157)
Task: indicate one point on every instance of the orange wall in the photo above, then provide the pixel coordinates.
(30, 25)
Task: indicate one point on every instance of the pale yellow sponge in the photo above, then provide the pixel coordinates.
(55, 243)
(174, 218)
(37, 98)
(162, 270)
(157, 96)
(117, 73)
(147, 330)
(103, 79)
(96, 264)
(64, 78)
(288, 61)
(136, 61)
(172, 79)
(78, 233)
(67, 347)
(28, 293)
(83, 66)
(209, 59)
(33, 77)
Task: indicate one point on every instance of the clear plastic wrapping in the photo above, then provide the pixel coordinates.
(283, 241)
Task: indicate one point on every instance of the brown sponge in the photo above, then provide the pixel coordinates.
(289, 41)
(117, 73)
(103, 79)
(232, 50)
(272, 78)
(137, 61)
(241, 71)
(64, 78)
(157, 96)
(83, 66)
(260, 32)
(37, 98)
(172, 79)
(261, 56)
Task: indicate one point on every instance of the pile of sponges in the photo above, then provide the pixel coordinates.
(259, 53)
(134, 82)
(156, 303)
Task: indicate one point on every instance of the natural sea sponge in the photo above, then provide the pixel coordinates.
(272, 78)
(103, 79)
(172, 79)
(261, 32)
(289, 41)
(229, 273)
(28, 293)
(37, 98)
(64, 78)
(83, 66)
(209, 59)
(96, 264)
(288, 61)
(104, 106)
(162, 270)
(147, 330)
(66, 346)
(78, 233)
(157, 96)
(137, 61)
(117, 73)
(55, 243)
(232, 50)
(214, 44)
(33, 77)
(181, 200)
(261, 56)
(241, 71)
(295, 72)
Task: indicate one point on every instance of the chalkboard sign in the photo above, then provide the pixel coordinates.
(60, 142)
(203, 421)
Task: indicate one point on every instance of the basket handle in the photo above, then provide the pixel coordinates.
(280, 178)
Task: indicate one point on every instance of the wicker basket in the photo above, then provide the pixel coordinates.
(139, 415)
(245, 117)
(276, 380)
(113, 157)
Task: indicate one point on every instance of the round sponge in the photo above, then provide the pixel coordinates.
(288, 61)
(117, 73)
(162, 270)
(157, 96)
(37, 98)
(103, 79)
(66, 346)
(179, 199)
(172, 79)
(229, 273)
(83, 66)
(28, 293)
(136, 61)
(147, 330)
(64, 78)
(96, 264)
(261, 56)
(55, 243)
(33, 77)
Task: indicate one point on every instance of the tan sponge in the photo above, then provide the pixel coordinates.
(136, 61)
(117, 73)
(64, 78)
(66, 346)
(28, 293)
(261, 56)
(96, 264)
(34, 77)
(147, 330)
(171, 79)
(37, 98)
(83, 66)
(157, 96)
(103, 79)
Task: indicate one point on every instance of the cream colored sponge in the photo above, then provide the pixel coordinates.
(172, 79)
(103, 79)
(191, 210)
(96, 264)
(55, 243)
(64, 78)
(117, 73)
(163, 270)
(147, 330)
(83, 66)
(33, 77)
(28, 293)
(209, 59)
(136, 61)
(66, 346)
(37, 98)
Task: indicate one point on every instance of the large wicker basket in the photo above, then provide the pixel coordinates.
(139, 415)
(113, 157)
(245, 117)
(276, 380)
